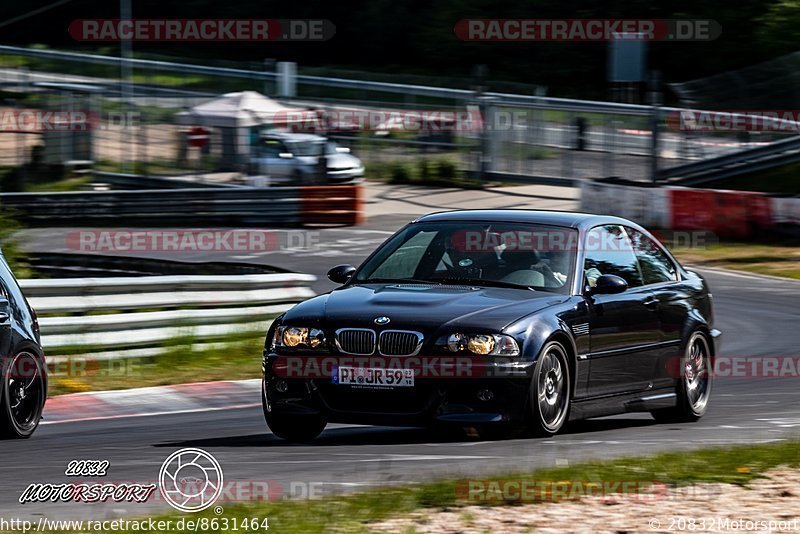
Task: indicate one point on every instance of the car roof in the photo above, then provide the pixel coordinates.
(291, 136)
(552, 218)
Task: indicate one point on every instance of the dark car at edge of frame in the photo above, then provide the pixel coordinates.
(23, 391)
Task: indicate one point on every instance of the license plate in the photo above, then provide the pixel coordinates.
(374, 377)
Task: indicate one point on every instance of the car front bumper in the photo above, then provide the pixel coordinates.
(345, 175)
(490, 393)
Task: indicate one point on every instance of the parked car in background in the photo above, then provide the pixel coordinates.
(294, 158)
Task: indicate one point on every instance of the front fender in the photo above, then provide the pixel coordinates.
(270, 334)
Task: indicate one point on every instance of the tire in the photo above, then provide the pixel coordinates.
(549, 394)
(23, 394)
(298, 429)
(694, 386)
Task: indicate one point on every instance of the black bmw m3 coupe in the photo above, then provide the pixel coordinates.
(496, 319)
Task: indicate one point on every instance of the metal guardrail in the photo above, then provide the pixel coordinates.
(202, 308)
(95, 59)
(496, 99)
(251, 206)
(139, 181)
(542, 102)
(740, 162)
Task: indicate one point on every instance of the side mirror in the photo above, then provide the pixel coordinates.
(285, 155)
(341, 273)
(608, 284)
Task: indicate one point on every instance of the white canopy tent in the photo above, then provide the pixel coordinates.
(234, 114)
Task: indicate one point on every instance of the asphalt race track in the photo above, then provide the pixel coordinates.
(758, 315)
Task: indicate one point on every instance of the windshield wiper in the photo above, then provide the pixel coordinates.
(482, 282)
(399, 281)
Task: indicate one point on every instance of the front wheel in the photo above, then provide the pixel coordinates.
(23, 396)
(694, 388)
(298, 429)
(549, 391)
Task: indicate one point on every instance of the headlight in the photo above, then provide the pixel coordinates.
(484, 344)
(481, 344)
(297, 336)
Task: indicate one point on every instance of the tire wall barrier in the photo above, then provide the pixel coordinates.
(731, 214)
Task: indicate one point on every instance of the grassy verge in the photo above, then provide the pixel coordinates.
(435, 172)
(354, 513)
(78, 183)
(776, 259)
(238, 358)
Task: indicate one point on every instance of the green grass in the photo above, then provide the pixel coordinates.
(78, 183)
(180, 363)
(354, 513)
(781, 258)
(432, 172)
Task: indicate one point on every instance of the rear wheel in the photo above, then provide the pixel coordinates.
(549, 391)
(694, 387)
(23, 396)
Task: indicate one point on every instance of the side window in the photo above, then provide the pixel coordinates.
(610, 251)
(270, 148)
(654, 262)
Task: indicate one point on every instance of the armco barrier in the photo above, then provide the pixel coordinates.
(736, 214)
(246, 206)
(121, 314)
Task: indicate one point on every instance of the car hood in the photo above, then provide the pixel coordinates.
(420, 306)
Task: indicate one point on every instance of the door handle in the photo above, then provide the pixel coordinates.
(651, 303)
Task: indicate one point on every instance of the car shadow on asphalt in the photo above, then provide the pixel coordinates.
(361, 435)
(373, 435)
(587, 426)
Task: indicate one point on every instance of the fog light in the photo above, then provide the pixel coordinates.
(485, 395)
(281, 386)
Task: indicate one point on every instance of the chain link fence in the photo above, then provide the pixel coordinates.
(137, 127)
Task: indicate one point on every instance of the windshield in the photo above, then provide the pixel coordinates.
(483, 254)
(306, 148)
